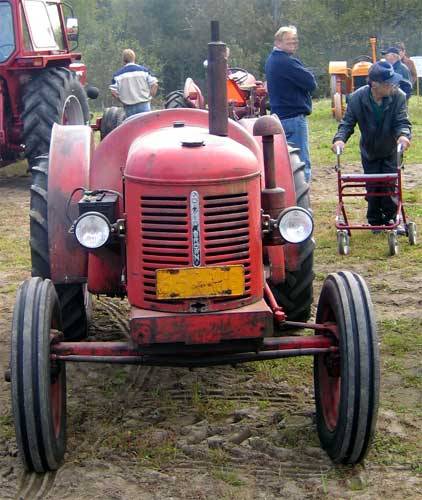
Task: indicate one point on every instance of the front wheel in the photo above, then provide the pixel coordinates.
(347, 381)
(38, 384)
(343, 243)
(412, 233)
(393, 243)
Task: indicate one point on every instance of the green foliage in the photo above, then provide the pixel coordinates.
(171, 37)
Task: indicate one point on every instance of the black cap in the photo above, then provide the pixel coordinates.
(391, 50)
(383, 72)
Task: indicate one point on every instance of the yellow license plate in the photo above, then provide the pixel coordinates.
(197, 282)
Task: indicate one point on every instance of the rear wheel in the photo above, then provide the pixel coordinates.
(38, 384)
(73, 297)
(55, 95)
(295, 294)
(338, 106)
(112, 118)
(347, 381)
(176, 99)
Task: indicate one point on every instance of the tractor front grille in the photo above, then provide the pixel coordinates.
(226, 233)
(166, 240)
(165, 237)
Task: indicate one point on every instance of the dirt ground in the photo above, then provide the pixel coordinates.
(245, 433)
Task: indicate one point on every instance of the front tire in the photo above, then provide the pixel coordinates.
(38, 384)
(55, 95)
(72, 297)
(347, 382)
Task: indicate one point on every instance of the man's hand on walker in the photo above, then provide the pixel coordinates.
(404, 141)
(338, 147)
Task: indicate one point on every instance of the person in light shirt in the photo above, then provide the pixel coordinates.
(134, 85)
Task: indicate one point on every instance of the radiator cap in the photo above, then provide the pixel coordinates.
(193, 142)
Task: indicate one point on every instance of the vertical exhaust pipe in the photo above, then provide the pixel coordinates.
(217, 86)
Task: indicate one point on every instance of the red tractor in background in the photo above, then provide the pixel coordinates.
(246, 96)
(41, 78)
(202, 222)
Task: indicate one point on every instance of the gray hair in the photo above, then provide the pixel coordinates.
(279, 34)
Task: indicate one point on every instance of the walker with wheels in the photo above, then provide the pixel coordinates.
(350, 185)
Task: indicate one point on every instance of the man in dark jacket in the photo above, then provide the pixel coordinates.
(380, 111)
(392, 55)
(289, 87)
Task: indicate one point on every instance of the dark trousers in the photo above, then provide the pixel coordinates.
(381, 209)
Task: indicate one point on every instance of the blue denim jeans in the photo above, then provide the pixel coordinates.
(134, 109)
(296, 130)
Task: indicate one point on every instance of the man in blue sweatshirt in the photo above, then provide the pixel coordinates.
(289, 87)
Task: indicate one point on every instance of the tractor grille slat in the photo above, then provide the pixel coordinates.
(166, 238)
(226, 234)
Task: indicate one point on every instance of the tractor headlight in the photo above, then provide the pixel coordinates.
(295, 224)
(92, 230)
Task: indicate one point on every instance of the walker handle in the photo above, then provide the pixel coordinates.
(400, 151)
(339, 151)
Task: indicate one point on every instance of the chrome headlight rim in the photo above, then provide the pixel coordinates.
(103, 219)
(285, 213)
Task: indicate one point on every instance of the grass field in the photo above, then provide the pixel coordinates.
(130, 427)
(323, 128)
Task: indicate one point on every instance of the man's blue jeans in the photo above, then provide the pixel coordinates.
(133, 109)
(296, 130)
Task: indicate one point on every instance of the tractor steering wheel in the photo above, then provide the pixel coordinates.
(239, 79)
(359, 59)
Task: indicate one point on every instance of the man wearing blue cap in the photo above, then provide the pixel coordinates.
(380, 111)
(392, 55)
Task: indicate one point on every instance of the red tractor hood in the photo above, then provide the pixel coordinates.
(185, 155)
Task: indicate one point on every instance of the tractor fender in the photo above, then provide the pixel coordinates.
(70, 156)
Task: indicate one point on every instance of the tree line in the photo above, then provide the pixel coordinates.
(171, 36)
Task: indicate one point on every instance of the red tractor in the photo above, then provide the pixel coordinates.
(203, 224)
(41, 79)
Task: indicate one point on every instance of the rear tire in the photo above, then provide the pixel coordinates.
(347, 382)
(112, 118)
(338, 106)
(54, 95)
(295, 294)
(38, 384)
(71, 297)
(176, 99)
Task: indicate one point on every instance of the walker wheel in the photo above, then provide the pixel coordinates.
(412, 233)
(343, 243)
(393, 243)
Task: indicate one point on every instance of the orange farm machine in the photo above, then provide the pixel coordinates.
(246, 96)
(345, 80)
(203, 224)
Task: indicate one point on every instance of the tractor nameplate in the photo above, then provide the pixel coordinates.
(196, 282)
